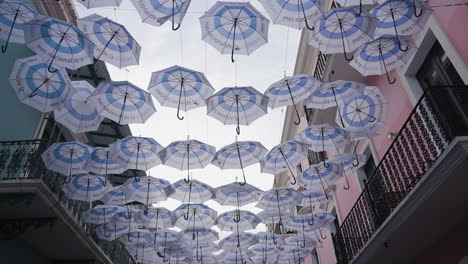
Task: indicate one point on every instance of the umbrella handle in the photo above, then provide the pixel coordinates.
(347, 182)
(55, 54)
(5, 47)
(274, 239)
(181, 83)
(360, 9)
(233, 42)
(356, 160)
(302, 245)
(305, 18)
(321, 235)
(173, 14)
(415, 11)
(186, 215)
(311, 221)
(67, 179)
(343, 43)
(178, 114)
(105, 234)
(128, 238)
(385, 67)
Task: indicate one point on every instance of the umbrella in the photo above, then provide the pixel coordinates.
(194, 216)
(238, 155)
(357, 2)
(278, 199)
(323, 137)
(180, 88)
(343, 30)
(157, 12)
(364, 114)
(139, 153)
(13, 15)
(267, 253)
(174, 253)
(147, 190)
(37, 87)
(187, 154)
(269, 239)
(236, 257)
(115, 196)
(203, 252)
(314, 198)
(101, 214)
(382, 55)
(67, 158)
(300, 241)
(290, 90)
(163, 237)
(296, 14)
(124, 218)
(350, 163)
(110, 231)
(113, 43)
(237, 105)
(123, 102)
(306, 225)
(234, 27)
(138, 236)
(60, 43)
(334, 94)
(321, 176)
(401, 18)
(77, 113)
(283, 157)
(146, 251)
(241, 240)
(237, 220)
(235, 194)
(155, 217)
(273, 216)
(85, 187)
(100, 3)
(99, 162)
(192, 192)
(199, 239)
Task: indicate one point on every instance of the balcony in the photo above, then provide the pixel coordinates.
(417, 194)
(37, 216)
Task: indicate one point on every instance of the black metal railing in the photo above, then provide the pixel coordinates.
(22, 160)
(439, 116)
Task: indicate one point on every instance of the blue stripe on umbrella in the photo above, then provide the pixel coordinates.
(104, 39)
(33, 86)
(239, 34)
(84, 156)
(188, 91)
(298, 86)
(369, 116)
(323, 30)
(386, 54)
(62, 49)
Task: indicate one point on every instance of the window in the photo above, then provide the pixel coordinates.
(314, 256)
(368, 169)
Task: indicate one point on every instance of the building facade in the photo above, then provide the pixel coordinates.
(406, 204)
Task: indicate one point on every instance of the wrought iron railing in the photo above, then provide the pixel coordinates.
(22, 160)
(439, 116)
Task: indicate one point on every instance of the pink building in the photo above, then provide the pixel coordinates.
(408, 203)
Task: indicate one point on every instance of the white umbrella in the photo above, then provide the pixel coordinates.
(13, 15)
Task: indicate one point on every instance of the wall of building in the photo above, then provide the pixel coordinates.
(19, 252)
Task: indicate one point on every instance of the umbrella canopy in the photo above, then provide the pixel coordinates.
(269, 239)
(350, 163)
(142, 251)
(364, 114)
(300, 241)
(147, 189)
(192, 192)
(382, 55)
(138, 153)
(155, 217)
(112, 42)
(401, 17)
(123, 102)
(125, 218)
(138, 236)
(101, 214)
(157, 12)
(60, 43)
(234, 27)
(13, 15)
(115, 196)
(324, 137)
(67, 158)
(343, 30)
(37, 87)
(163, 238)
(296, 14)
(291, 90)
(202, 235)
(238, 155)
(264, 254)
(78, 114)
(187, 154)
(277, 200)
(237, 106)
(237, 220)
(313, 198)
(304, 224)
(273, 216)
(194, 216)
(203, 252)
(85, 187)
(235, 194)
(334, 94)
(236, 257)
(110, 231)
(99, 162)
(357, 3)
(283, 157)
(180, 88)
(100, 3)
(241, 240)
(321, 176)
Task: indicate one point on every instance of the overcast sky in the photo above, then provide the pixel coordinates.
(162, 48)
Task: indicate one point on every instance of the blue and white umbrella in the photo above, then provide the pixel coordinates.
(234, 27)
(138, 236)
(291, 90)
(137, 153)
(237, 106)
(343, 30)
(314, 198)
(296, 14)
(359, 3)
(60, 43)
(321, 176)
(235, 194)
(174, 253)
(334, 94)
(155, 218)
(238, 241)
(278, 200)
(192, 192)
(99, 162)
(13, 15)
(382, 55)
(100, 3)
(269, 239)
(163, 238)
(237, 221)
(292, 255)
(85, 187)
(300, 241)
(101, 214)
(157, 12)
(364, 114)
(147, 190)
(194, 216)
(350, 163)
(110, 231)
(401, 17)
(142, 252)
(203, 252)
(324, 137)
(115, 196)
(235, 256)
(123, 102)
(283, 157)
(37, 87)
(112, 41)
(180, 88)
(198, 241)
(264, 253)
(306, 225)
(238, 155)
(187, 154)
(67, 158)
(78, 114)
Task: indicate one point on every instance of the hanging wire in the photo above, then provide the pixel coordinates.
(181, 49)
(286, 52)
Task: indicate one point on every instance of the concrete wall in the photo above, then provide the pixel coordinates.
(19, 252)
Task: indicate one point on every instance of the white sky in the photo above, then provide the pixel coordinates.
(162, 48)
